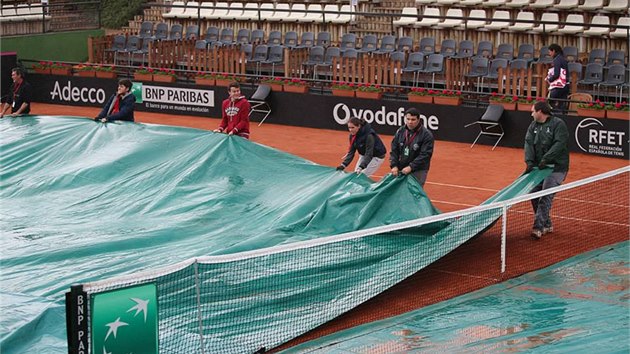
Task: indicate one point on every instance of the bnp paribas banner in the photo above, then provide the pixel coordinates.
(125, 321)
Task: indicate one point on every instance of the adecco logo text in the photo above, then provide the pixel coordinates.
(342, 114)
(77, 94)
(591, 137)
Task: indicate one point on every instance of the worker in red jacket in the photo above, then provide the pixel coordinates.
(235, 113)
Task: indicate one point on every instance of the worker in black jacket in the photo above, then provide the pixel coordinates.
(412, 148)
(369, 145)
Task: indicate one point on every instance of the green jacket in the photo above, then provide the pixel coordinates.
(548, 141)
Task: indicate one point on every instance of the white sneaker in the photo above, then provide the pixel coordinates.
(547, 230)
(537, 234)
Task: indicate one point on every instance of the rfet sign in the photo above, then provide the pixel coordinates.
(602, 137)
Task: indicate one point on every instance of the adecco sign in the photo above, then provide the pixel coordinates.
(69, 94)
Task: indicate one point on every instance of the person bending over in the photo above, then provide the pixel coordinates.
(19, 98)
(235, 108)
(370, 147)
(412, 148)
(546, 143)
(120, 106)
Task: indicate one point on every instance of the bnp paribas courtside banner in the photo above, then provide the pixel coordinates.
(605, 137)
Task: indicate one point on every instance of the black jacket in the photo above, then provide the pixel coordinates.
(125, 109)
(418, 142)
(548, 141)
(23, 95)
(368, 143)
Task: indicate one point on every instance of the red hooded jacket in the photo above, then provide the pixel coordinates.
(236, 117)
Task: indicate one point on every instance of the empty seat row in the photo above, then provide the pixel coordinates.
(525, 21)
(22, 12)
(612, 6)
(281, 12)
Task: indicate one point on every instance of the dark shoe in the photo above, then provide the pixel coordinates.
(537, 234)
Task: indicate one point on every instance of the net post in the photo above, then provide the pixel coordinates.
(76, 320)
(503, 236)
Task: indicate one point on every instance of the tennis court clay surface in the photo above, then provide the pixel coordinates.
(460, 177)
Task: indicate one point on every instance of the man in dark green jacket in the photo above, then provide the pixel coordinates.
(546, 146)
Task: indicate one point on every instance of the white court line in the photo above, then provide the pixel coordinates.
(452, 203)
(378, 177)
(556, 216)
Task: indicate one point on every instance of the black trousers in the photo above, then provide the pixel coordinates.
(557, 97)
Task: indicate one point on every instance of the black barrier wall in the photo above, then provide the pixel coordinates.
(605, 137)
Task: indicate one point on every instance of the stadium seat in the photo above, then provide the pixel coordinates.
(118, 44)
(465, 50)
(397, 57)
(478, 69)
(350, 53)
(146, 29)
(500, 20)
(448, 48)
(313, 14)
(348, 41)
(283, 13)
(476, 19)
(427, 46)
(574, 67)
(259, 102)
(387, 45)
(323, 39)
(290, 39)
(447, 3)
(576, 26)
(250, 12)
(490, 124)
(405, 44)
(259, 55)
(505, 51)
(274, 57)
(205, 10)
(134, 43)
(243, 36)
(415, 63)
(298, 13)
(619, 6)
(331, 12)
(524, 22)
(593, 75)
(485, 49)
(567, 5)
(430, 17)
(248, 49)
(597, 55)
(434, 65)
(410, 18)
(191, 12)
(595, 29)
(368, 43)
(267, 11)
(175, 34)
(542, 4)
(493, 70)
(615, 77)
(590, 5)
(345, 15)
(526, 52)
(425, 2)
(494, 3)
(235, 12)
(570, 53)
(258, 37)
(517, 4)
(452, 22)
(307, 40)
(331, 53)
(315, 57)
(275, 38)
(220, 12)
(621, 32)
(227, 36)
(615, 57)
(212, 35)
(161, 31)
(177, 9)
(192, 32)
(142, 52)
(470, 2)
(544, 57)
(550, 24)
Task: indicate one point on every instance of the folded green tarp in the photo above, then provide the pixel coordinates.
(85, 201)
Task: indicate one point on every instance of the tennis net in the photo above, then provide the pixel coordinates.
(258, 300)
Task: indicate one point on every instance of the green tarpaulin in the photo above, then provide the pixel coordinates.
(84, 201)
